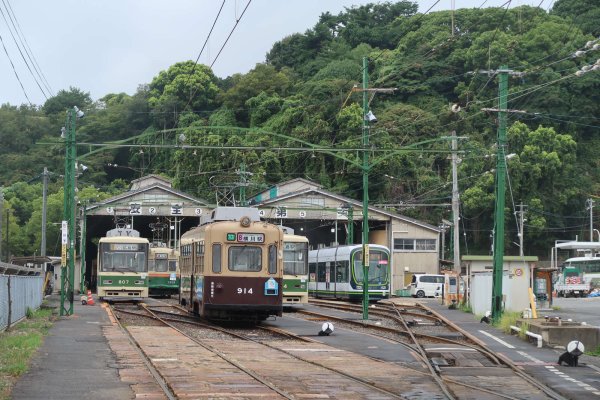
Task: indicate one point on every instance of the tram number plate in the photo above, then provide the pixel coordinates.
(244, 290)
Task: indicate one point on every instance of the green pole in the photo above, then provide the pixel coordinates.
(82, 250)
(350, 238)
(68, 267)
(500, 196)
(243, 185)
(365, 168)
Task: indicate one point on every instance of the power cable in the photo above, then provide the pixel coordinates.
(15, 71)
(26, 46)
(222, 47)
(21, 52)
(202, 49)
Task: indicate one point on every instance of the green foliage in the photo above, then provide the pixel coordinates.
(18, 345)
(305, 95)
(506, 320)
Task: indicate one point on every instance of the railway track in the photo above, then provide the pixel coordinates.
(427, 352)
(285, 388)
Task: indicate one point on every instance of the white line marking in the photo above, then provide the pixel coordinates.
(597, 393)
(550, 367)
(502, 342)
(535, 360)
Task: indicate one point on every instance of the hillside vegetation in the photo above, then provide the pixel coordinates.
(304, 92)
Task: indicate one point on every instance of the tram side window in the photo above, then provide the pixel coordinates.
(272, 259)
(321, 272)
(216, 258)
(341, 274)
(312, 271)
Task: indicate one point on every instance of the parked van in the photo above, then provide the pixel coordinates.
(426, 285)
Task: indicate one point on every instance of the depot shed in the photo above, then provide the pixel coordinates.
(517, 273)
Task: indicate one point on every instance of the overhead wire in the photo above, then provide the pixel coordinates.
(202, 50)
(26, 46)
(21, 52)
(15, 71)
(237, 21)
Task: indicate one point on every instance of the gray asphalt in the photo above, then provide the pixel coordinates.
(75, 362)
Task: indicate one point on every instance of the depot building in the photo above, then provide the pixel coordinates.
(154, 208)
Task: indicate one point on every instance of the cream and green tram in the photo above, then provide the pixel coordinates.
(122, 265)
(295, 269)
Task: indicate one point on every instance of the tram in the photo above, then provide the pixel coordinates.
(122, 265)
(163, 270)
(295, 269)
(337, 272)
(232, 267)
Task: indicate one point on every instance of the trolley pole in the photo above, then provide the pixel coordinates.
(67, 276)
(500, 196)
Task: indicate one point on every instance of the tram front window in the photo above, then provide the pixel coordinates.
(123, 262)
(161, 265)
(378, 267)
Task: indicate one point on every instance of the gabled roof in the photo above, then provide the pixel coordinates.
(132, 193)
(139, 182)
(344, 199)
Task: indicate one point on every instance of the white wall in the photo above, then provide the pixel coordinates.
(515, 290)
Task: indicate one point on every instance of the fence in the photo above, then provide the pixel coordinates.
(17, 294)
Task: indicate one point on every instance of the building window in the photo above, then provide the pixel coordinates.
(415, 245)
(404, 244)
(425, 244)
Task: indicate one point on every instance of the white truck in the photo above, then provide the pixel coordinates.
(572, 286)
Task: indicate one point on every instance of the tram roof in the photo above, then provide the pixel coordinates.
(575, 245)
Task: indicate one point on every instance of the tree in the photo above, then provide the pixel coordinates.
(184, 86)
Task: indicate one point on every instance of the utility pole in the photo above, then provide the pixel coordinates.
(44, 210)
(455, 205)
(365, 221)
(243, 183)
(522, 220)
(500, 196)
(590, 206)
(1, 209)
(67, 275)
(82, 248)
(367, 118)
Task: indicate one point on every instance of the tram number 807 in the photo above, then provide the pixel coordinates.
(244, 290)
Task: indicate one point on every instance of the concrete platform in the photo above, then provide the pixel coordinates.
(75, 361)
(559, 334)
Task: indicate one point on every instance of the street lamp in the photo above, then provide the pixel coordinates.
(67, 276)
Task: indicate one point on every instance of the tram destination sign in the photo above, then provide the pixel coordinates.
(246, 237)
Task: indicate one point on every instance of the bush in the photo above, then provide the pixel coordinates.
(29, 313)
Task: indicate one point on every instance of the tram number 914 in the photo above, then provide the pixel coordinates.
(244, 290)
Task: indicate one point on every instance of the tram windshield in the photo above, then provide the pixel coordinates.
(116, 260)
(161, 265)
(245, 258)
(378, 267)
(295, 258)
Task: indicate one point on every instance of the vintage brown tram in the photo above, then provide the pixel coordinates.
(232, 266)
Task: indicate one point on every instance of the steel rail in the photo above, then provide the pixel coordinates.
(155, 374)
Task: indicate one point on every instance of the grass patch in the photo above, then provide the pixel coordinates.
(556, 308)
(18, 345)
(507, 319)
(465, 308)
(595, 353)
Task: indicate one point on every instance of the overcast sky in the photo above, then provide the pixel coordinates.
(113, 46)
